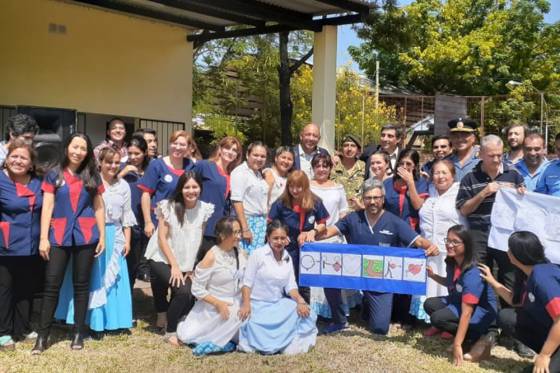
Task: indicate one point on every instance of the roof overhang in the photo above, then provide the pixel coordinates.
(219, 19)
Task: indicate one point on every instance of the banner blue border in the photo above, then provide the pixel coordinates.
(363, 283)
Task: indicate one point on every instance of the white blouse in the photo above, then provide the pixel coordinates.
(438, 214)
(334, 200)
(183, 240)
(251, 188)
(118, 208)
(223, 279)
(278, 186)
(267, 277)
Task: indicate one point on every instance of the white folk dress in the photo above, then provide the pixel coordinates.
(223, 281)
(184, 240)
(437, 215)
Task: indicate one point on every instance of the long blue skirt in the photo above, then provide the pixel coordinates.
(110, 305)
(276, 327)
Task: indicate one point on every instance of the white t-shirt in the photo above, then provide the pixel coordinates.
(251, 188)
(334, 200)
(183, 240)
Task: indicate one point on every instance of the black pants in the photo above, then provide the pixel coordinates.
(18, 281)
(82, 262)
(489, 256)
(181, 300)
(517, 324)
(443, 318)
(134, 259)
(401, 309)
(334, 298)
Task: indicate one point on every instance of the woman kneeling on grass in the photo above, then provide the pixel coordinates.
(471, 306)
(535, 318)
(213, 323)
(275, 323)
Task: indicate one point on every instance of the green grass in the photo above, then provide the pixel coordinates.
(353, 350)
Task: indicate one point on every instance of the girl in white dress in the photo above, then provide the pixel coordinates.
(172, 250)
(213, 323)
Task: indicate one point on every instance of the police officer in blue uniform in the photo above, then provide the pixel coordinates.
(373, 226)
(535, 318)
(463, 139)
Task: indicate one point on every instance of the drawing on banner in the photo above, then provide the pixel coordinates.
(310, 263)
(331, 264)
(414, 269)
(351, 265)
(372, 266)
(393, 268)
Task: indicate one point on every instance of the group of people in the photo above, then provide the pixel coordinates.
(221, 238)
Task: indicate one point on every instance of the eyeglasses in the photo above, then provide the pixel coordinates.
(374, 198)
(452, 242)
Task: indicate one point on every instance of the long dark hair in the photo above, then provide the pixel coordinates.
(415, 157)
(466, 236)
(526, 248)
(87, 171)
(222, 230)
(140, 143)
(177, 199)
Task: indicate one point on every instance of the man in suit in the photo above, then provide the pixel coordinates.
(307, 148)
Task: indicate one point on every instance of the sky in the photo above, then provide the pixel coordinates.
(347, 37)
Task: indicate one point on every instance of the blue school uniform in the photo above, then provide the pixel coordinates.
(468, 287)
(468, 166)
(531, 181)
(389, 230)
(20, 216)
(132, 178)
(541, 301)
(297, 221)
(215, 190)
(397, 201)
(160, 180)
(73, 220)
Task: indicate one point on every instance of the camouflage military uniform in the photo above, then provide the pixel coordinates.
(352, 179)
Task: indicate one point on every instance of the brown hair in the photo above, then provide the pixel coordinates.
(22, 144)
(105, 153)
(446, 162)
(180, 133)
(299, 178)
(228, 142)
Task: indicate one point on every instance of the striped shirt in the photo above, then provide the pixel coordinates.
(474, 182)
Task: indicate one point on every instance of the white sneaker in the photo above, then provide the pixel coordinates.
(32, 335)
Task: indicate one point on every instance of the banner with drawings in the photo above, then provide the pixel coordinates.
(363, 267)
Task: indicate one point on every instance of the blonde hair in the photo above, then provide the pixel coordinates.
(299, 178)
(181, 133)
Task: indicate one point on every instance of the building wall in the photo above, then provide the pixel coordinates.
(95, 61)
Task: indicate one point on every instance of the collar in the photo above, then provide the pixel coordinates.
(522, 166)
(395, 153)
(369, 223)
(303, 154)
(503, 168)
(270, 252)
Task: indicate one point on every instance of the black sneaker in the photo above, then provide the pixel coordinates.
(523, 351)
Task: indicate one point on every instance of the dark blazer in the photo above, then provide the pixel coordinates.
(295, 150)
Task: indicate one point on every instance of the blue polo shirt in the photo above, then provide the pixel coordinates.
(549, 182)
(389, 230)
(468, 287)
(462, 170)
(541, 300)
(531, 181)
(215, 190)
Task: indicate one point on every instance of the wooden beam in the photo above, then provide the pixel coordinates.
(203, 37)
(205, 9)
(145, 12)
(347, 5)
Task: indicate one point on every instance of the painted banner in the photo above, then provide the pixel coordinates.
(363, 267)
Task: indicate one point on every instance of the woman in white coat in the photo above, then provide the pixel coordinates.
(437, 215)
